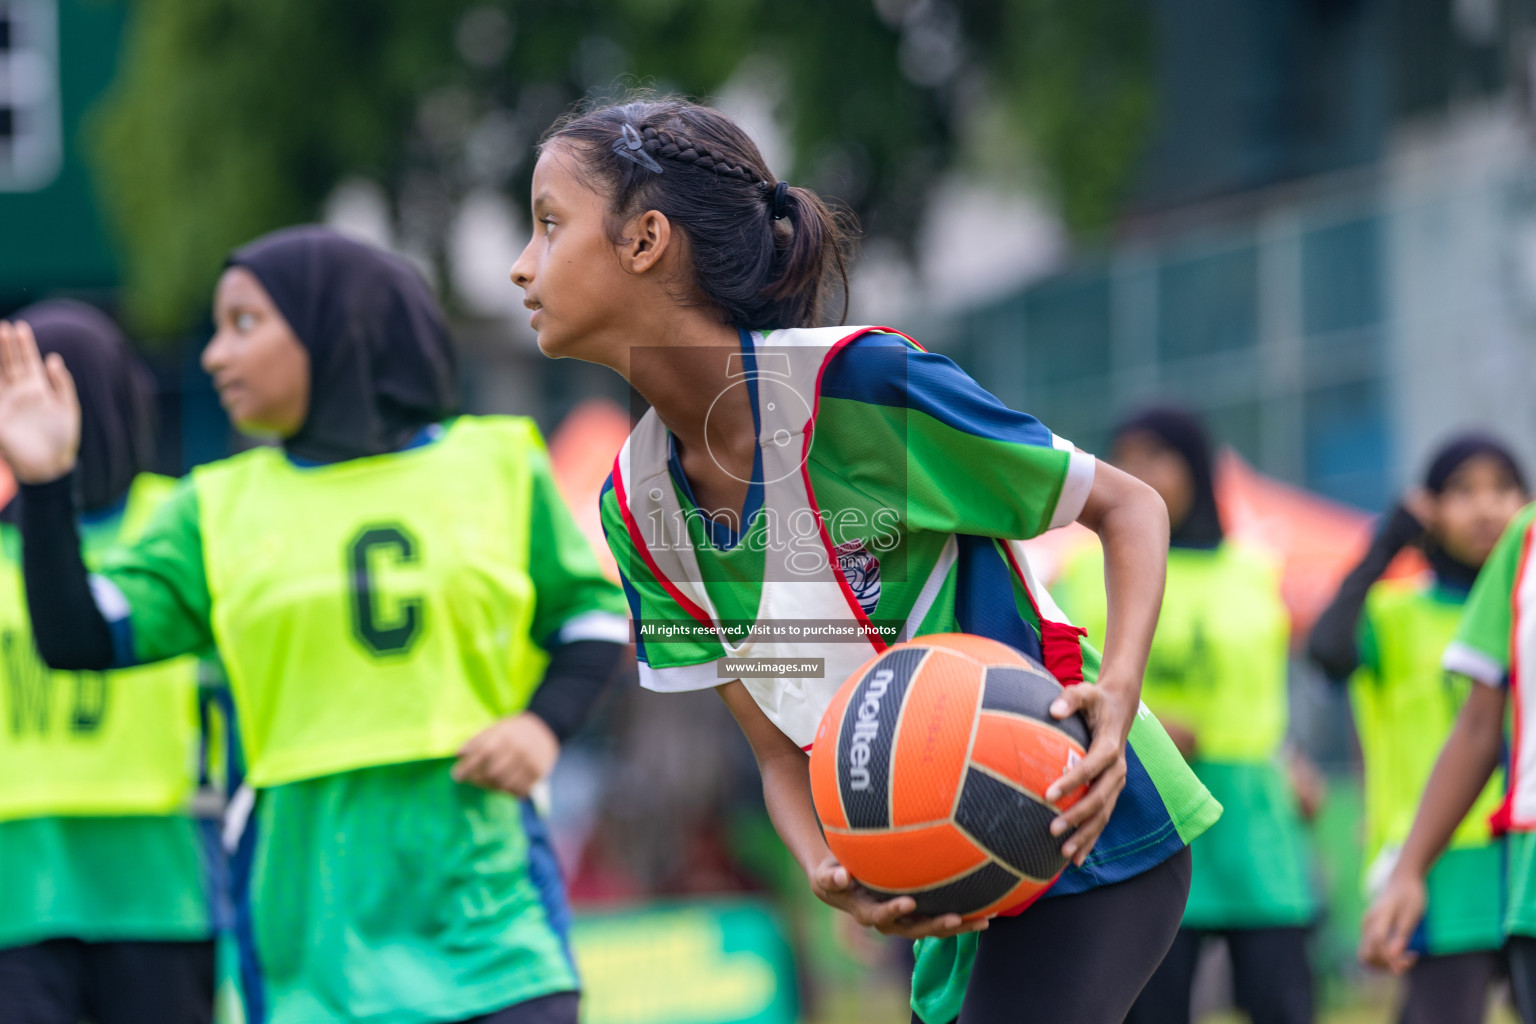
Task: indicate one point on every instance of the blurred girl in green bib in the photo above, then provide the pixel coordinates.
(104, 909)
(1216, 679)
(410, 619)
(1388, 638)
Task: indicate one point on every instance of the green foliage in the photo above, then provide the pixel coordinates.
(232, 117)
(1078, 76)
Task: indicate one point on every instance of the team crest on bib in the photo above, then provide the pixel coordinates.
(862, 571)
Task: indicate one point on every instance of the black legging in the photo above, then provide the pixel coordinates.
(59, 981)
(1271, 977)
(1078, 959)
(1450, 989)
(1521, 951)
(560, 1008)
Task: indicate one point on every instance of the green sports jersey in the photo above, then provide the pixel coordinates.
(1467, 901)
(383, 892)
(892, 508)
(918, 474)
(1494, 641)
(1520, 868)
(394, 895)
(116, 879)
(1218, 667)
(94, 841)
(1404, 706)
(1252, 869)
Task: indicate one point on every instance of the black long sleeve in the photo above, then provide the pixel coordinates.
(69, 629)
(1332, 645)
(577, 675)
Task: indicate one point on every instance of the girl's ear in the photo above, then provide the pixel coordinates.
(647, 240)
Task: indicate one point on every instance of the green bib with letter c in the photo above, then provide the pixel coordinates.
(374, 611)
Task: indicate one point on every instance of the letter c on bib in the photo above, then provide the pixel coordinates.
(383, 635)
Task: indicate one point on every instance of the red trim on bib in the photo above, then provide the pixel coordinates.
(874, 638)
(1060, 643)
(683, 600)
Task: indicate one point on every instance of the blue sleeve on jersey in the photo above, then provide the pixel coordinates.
(880, 369)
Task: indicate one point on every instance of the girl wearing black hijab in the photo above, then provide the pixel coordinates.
(1216, 679)
(103, 906)
(410, 620)
(1386, 638)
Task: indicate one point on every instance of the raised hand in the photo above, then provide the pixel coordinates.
(39, 411)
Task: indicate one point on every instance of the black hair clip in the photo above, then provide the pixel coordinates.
(631, 146)
(780, 201)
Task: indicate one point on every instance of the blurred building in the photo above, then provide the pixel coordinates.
(1331, 247)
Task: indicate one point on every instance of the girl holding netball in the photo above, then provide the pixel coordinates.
(104, 908)
(665, 249)
(410, 620)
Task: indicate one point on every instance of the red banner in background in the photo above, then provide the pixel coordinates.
(1317, 538)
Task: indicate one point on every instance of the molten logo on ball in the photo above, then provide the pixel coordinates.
(866, 728)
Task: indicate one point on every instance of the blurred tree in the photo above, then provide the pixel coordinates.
(231, 117)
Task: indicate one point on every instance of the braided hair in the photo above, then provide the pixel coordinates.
(663, 143)
(765, 253)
